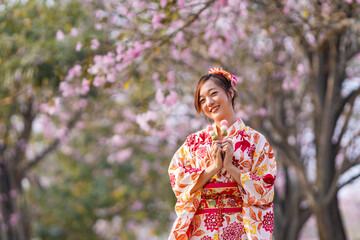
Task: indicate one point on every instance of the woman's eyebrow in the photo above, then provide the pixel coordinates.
(208, 91)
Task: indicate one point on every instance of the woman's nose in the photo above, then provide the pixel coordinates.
(209, 101)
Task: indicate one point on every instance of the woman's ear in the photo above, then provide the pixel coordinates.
(231, 93)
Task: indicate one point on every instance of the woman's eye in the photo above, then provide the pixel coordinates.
(213, 93)
(201, 101)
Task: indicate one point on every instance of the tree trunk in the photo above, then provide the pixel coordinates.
(15, 224)
(289, 217)
(329, 69)
(330, 224)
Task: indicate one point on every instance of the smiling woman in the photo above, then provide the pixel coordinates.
(224, 187)
(217, 83)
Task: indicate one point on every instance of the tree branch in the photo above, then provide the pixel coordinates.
(334, 188)
(28, 118)
(344, 128)
(348, 181)
(298, 168)
(350, 98)
(191, 19)
(52, 146)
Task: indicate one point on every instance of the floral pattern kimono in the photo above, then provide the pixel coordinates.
(223, 209)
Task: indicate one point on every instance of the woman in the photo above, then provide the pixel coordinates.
(224, 187)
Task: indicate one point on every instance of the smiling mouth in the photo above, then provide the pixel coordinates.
(214, 109)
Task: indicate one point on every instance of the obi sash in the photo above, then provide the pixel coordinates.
(217, 199)
(220, 198)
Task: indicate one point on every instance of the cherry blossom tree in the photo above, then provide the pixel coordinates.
(40, 42)
(296, 62)
(298, 82)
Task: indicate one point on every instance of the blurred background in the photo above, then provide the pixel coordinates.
(97, 95)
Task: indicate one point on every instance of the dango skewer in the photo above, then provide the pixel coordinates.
(224, 128)
(212, 132)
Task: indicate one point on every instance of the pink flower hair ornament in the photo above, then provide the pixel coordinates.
(229, 76)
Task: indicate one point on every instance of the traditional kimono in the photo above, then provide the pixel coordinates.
(223, 209)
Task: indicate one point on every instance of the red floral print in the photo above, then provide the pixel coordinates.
(251, 151)
(190, 140)
(201, 152)
(206, 238)
(269, 180)
(172, 180)
(211, 221)
(233, 231)
(254, 177)
(268, 222)
(236, 162)
(192, 170)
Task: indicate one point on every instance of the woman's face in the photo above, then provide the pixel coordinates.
(214, 101)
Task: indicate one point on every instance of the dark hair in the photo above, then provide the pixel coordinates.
(219, 80)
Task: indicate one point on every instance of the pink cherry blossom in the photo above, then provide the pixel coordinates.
(176, 24)
(81, 104)
(163, 3)
(94, 44)
(13, 193)
(136, 206)
(286, 10)
(108, 172)
(60, 35)
(50, 108)
(98, 26)
(85, 87)
(66, 89)
(99, 81)
(118, 141)
(156, 20)
(62, 134)
(310, 38)
(262, 112)
(78, 46)
(181, 3)
(143, 119)
(223, 3)
(120, 128)
(119, 53)
(74, 32)
(160, 98)
(100, 14)
(75, 71)
(14, 217)
(179, 38)
(123, 155)
(295, 83)
(171, 79)
(155, 77)
(171, 99)
(139, 4)
(175, 53)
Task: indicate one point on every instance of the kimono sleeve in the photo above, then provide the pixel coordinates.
(183, 175)
(259, 182)
(258, 193)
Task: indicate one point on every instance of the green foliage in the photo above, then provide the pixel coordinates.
(81, 192)
(32, 65)
(30, 55)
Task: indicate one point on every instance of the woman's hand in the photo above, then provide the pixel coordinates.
(215, 153)
(217, 164)
(228, 149)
